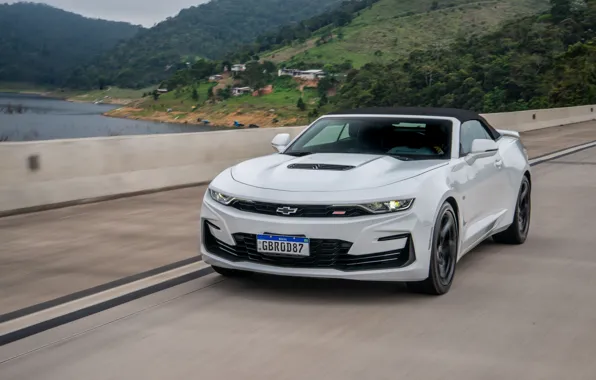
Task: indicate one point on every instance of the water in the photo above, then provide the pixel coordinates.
(32, 117)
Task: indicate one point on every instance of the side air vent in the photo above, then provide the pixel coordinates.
(320, 167)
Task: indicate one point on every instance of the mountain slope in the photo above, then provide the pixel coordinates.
(393, 28)
(208, 30)
(40, 44)
(540, 61)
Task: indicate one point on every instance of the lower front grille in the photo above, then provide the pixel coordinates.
(324, 253)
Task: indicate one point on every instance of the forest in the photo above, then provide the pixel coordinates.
(209, 31)
(299, 32)
(542, 61)
(41, 44)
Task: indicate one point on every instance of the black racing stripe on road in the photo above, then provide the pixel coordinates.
(97, 289)
(564, 154)
(85, 312)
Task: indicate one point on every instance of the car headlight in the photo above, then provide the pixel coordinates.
(389, 206)
(220, 197)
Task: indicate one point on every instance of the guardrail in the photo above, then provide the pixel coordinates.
(47, 174)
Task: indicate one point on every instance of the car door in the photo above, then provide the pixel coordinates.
(481, 185)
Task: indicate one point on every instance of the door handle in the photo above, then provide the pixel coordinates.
(499, 163)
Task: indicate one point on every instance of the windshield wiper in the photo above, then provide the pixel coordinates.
(399, 157)
(298, 154)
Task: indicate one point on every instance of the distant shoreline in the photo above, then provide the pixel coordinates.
(44, 94)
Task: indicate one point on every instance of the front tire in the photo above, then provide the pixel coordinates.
(226, 272)
(517, 232)
(443, 258)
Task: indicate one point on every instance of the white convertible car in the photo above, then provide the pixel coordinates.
(376, 194)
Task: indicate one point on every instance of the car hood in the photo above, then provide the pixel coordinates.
(288, 173)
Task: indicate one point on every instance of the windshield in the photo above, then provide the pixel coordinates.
(399, 137)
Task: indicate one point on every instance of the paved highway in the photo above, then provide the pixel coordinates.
(51, 254)
(522, 312)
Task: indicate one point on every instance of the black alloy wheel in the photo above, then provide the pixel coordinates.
(524, 208)
(443, 255)
(517, 233)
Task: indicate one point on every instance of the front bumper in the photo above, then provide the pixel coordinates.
(372, 248)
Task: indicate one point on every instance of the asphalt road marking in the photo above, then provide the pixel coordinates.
(572, 163)
(561, 153)
(46, 319)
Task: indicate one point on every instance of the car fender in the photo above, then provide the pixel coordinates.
(435, 188)
(515, 164)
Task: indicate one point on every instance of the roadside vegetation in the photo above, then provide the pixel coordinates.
(41, 44)
(390, 29)
(538, 61)
(488, 56)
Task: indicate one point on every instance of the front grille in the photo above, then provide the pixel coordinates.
(324, 253)
(299, 211)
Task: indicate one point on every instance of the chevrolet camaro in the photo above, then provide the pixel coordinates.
(382, 194)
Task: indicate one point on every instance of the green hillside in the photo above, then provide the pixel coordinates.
(540, 61)
(41, 44)
(209, 30)
(394, 28)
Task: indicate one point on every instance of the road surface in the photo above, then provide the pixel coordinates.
(514, 312)
(51, 254)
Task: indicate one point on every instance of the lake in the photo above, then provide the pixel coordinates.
(25, 117)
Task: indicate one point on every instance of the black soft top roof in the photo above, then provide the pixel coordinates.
(461, 115)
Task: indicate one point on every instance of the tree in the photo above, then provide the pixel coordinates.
(155, 95)
(225, 93)
(323, 100)
(301, 105)
(269, 67)
(325, 84)
(255, 75)
(560, 9)
(195, 94)
(434, 6)
(210, 92)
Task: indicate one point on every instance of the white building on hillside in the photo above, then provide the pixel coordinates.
(302, 74)
(237, 91)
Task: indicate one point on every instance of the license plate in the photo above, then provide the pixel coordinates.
(283, 245)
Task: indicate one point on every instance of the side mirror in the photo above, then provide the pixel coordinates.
(481, 148)
(281, 141)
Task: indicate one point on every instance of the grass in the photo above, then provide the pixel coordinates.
(277, 108)
(22, 87)
(19, 87)
(76, 95)
(397, 27)
(113, 93)
(179, 100)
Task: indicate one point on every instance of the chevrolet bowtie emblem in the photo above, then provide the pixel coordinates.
(286, 210)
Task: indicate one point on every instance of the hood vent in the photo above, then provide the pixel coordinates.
(321, 167)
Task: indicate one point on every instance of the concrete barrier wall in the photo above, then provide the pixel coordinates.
(36, 174)
(70, 170)
(524, 121)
